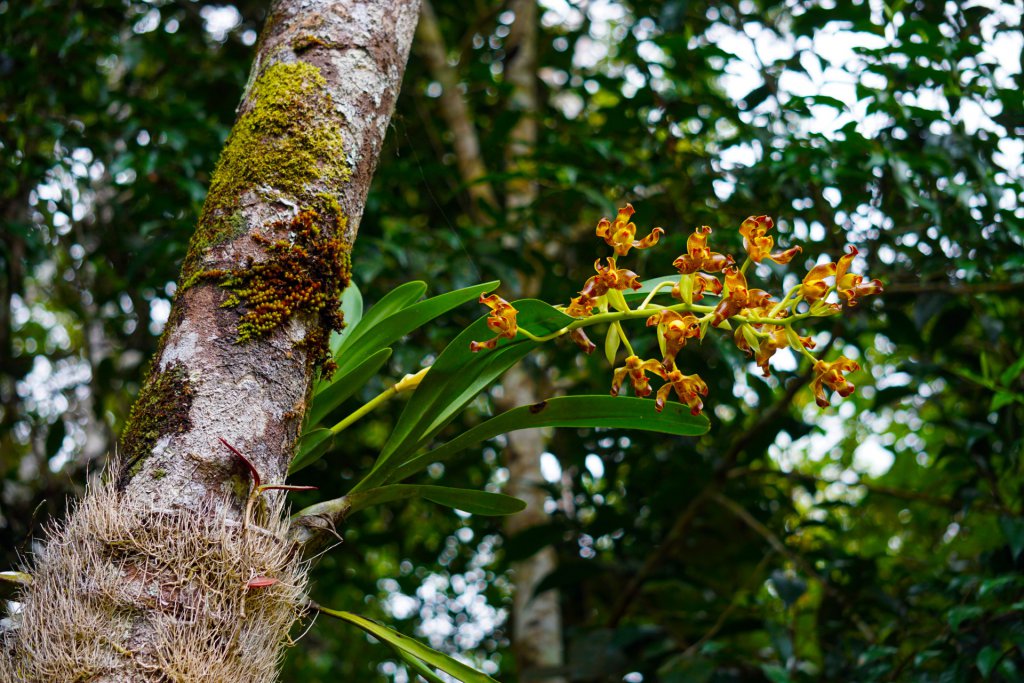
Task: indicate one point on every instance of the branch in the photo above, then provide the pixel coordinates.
(950, 288)
(914, 496)
(454, 109)
(797, 559)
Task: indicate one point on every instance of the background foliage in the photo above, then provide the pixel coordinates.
(881, 539)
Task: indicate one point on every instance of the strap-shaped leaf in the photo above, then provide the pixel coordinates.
(352, 309)
(312, 445)
(343, 385)
(468, 500)
(392, 328)
(418, 667)
(414, 648)
(455, 379)
(405, 294)
(618, 412)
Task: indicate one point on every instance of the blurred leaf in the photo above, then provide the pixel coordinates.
(987, 660)
(789, 586)
(1013, 532)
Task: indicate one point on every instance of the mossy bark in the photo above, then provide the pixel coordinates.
(256, 302)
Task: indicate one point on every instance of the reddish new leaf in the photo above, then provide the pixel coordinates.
(248, 464)
(260, 582)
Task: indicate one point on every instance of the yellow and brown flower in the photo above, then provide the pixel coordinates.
(759, 244)
(814, 286)
(851, 286)
(636, 369)
(501, 321)
(689, 389)
(699, 256)
(831, 375)
(675, 328)
(620, 234)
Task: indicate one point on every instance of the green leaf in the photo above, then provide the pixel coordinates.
(331, 395)
(987, 660)
(962, 613)
(312, 445)
(389, 330)
(775, 673)
(352, 309)
(620, 412)
(474, 502)
(20, 578)
(1001, 399)
(398, 298)
(455, 379)
(413, 648)
(1013, 530)
(418, 667)
(1013, 372)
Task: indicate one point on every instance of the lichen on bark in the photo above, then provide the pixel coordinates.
(284, 143)
(162, 408)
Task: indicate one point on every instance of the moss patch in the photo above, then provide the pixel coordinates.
(306, 273)
(284, 142)
(162, 408)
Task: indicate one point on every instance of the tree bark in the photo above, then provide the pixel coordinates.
(149, 579)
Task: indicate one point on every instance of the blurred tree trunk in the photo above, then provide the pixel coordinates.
(536, 621)
(147, 580)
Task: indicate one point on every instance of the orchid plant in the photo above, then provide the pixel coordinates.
(680, 307)
(760, 324)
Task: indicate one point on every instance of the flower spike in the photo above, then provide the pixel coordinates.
(760, 324)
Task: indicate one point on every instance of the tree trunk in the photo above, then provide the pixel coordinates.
(149, 579)
(536, 619)
(431, 46)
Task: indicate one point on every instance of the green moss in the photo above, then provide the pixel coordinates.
(162, 408)
(306, 273)
(159, 474)
(284, 143)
